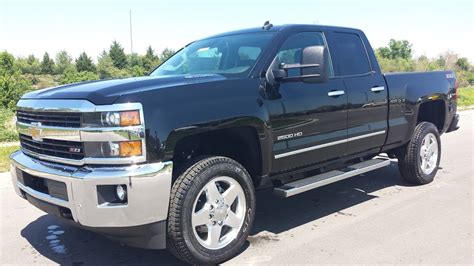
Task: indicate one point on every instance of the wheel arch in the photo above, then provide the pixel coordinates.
(433, 111)
(244, 140)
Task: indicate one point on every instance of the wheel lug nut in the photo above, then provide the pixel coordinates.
(220, 222)
(210, 216)
(213, 222)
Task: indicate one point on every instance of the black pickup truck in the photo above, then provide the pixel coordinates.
(173, 160)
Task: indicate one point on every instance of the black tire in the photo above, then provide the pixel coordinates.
(182, 241)
(409, 162)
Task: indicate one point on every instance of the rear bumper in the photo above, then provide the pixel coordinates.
(454, 124)
(139, 222)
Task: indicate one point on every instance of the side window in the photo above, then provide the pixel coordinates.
(350, 54)
(291, 50)
(247, 55)
(206, 58)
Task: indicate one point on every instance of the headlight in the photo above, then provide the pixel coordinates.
(112, 119)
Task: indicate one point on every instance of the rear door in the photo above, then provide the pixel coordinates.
(366, 93)
(308, 119)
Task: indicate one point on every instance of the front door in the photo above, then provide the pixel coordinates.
(308, 120)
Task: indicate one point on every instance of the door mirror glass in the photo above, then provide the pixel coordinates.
(312, 68)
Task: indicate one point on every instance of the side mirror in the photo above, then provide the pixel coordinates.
(314, 64)
(313, 67)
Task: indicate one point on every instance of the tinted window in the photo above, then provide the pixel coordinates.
(291, 50)
(351, 57)
(232, 55)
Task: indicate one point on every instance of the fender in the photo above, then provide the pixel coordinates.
(407, 92)
(172, 114)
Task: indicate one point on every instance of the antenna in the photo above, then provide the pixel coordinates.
(131, 36)
(267, 25)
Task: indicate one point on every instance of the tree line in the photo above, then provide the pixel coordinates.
(23, 74)
(397, 56)
(111, 63)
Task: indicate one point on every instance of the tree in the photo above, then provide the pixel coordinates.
(150, 60)
(166, 53)
(12, 84)
(396, 49)
(117, 55)
(63, 62)
(29, 65)
(447, 60)
(106, 68)
(134, 60)
(47, 64)
(463, 64)
(84, 63)
(136, 65)
(71, 75)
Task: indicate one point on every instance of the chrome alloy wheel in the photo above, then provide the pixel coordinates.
(218, 212)
(428, 153)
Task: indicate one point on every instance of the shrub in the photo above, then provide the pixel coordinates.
(12, 84)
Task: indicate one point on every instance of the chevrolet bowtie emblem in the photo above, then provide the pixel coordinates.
(36, 132)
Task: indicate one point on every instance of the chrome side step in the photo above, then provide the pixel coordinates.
(303, 185)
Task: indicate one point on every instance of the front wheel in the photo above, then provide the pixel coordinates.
(418, 161)
(212, 209)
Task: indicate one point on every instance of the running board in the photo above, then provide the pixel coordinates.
(303, 185)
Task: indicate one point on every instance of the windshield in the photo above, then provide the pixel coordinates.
(232, 55)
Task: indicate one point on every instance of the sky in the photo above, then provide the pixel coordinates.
(35, 26)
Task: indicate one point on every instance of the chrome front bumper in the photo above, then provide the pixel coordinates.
(148, 190)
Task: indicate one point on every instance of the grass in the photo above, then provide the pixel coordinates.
(5, 152)
(466, 96)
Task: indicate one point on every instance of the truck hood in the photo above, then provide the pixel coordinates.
(108, 91)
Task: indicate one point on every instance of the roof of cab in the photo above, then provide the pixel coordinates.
(285, 27)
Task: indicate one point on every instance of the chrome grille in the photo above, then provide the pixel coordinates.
(56, 131)
(56, 119)
(51, 147)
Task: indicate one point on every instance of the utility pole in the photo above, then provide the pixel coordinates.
(131, 36)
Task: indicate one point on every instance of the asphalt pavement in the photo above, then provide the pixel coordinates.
(372, 218)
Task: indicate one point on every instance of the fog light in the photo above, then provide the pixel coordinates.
(114, 149)
(121, 192)
(130, 148)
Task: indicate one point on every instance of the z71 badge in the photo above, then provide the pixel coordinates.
(290, 136)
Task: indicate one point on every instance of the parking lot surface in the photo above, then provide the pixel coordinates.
(372, 218)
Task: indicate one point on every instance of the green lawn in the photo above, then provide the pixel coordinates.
(5, 152)
(466, 96)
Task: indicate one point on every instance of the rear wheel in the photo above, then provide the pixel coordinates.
(211, 211)
(419, 159)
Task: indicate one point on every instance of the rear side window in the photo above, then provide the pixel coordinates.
(350, 55)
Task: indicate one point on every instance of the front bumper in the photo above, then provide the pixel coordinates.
(148, 191)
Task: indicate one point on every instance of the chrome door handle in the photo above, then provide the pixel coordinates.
(335, 93)
(377, 89)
